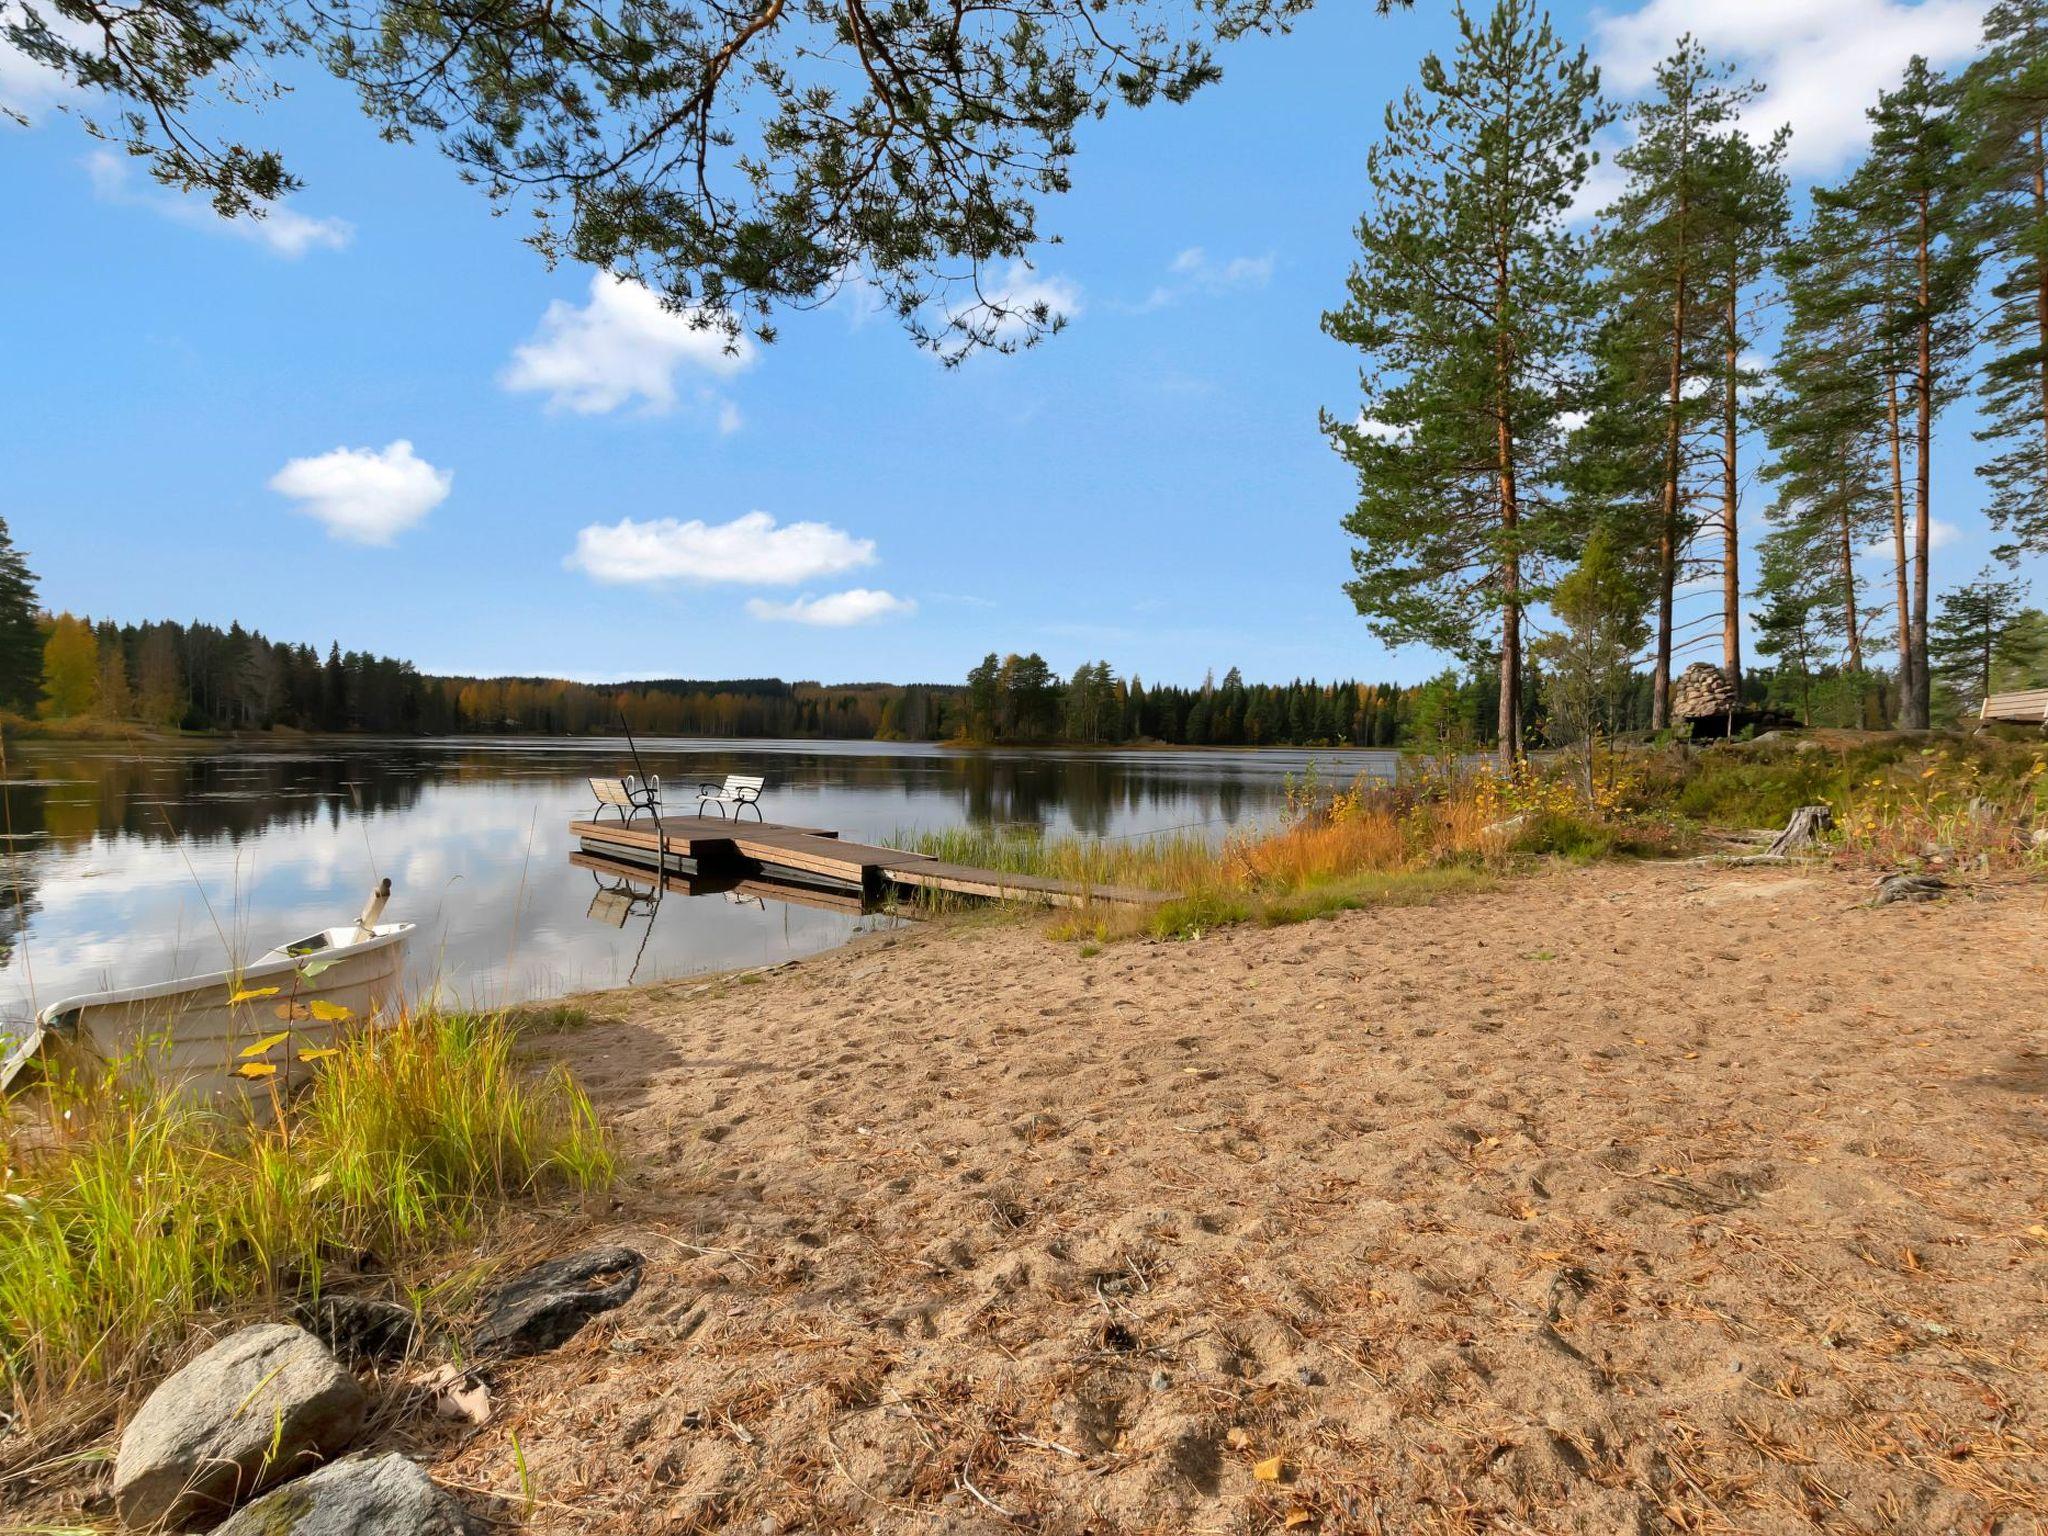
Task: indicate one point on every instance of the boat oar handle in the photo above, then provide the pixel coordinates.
(374, 907)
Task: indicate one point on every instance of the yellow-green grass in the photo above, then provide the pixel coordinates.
(125, 1213)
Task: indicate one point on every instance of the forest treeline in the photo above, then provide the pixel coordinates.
(196, 676)
(201, 677)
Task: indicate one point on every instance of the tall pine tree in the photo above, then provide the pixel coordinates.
(1748, 208)
(2005, 107)
(1658, 342)
(1910, 201)
(1469, 302)
(1826, 428)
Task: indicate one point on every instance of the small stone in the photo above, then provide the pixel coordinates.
(362, 1496)
(1308, 1376)
(548, 1304)
(1161, 1381)
(264, 1404)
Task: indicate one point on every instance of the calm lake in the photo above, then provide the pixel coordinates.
(128, 864)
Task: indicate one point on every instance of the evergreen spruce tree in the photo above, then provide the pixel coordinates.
(2005, 107)
(21, 637)
(160, 691)
(1800, 606)
(1469, 302)
(1973, 632)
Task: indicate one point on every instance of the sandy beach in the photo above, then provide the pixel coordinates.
(1625, 1198)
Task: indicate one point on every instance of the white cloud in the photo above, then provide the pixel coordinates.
(859, 605)
(1380, 431)
(1018, 293)
(750, 550)
(623, 343)
(1603, 183)
(1823, 61)
(28, 85)
(282, 229)
(1940, 535)
(365, 495)
(1194, 272)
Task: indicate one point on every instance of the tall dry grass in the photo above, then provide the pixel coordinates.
(126, 1211)
(1438, 830)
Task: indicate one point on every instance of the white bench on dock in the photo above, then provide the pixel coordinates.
(739, 791)
(2027, 707)
(628, 796)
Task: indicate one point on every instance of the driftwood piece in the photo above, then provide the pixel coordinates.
(1897, 887)
(547, 1304)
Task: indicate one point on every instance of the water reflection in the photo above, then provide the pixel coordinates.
(124, 866)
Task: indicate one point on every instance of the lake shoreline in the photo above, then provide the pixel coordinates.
(1538, 1201)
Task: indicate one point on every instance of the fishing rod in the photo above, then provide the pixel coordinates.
(654, 801)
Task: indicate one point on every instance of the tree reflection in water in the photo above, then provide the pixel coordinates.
(111, 846)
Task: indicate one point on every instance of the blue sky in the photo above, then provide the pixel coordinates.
(183, 397)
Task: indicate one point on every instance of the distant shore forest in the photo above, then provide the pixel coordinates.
(74, 675)
(174, 676)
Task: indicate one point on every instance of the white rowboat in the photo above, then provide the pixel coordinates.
(201, 1033)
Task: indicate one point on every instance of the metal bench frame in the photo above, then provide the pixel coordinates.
(628, 796)
(740, 790)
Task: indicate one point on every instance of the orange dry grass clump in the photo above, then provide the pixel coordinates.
(1322, 848)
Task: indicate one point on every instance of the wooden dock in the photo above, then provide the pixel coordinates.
(797, 893)
(686, 845)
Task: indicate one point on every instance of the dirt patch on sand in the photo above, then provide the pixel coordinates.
(1624, 1199)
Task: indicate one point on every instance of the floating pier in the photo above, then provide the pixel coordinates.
(688, 845)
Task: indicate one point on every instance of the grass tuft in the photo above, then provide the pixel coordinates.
(125, 1212)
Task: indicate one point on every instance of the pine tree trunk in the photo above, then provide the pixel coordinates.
(1667, 533)
(1511, 611)
(1904, 609)
(1850, 631)
(1731, 541)
(1918, 717)
(1511, 560)
(2041, 273)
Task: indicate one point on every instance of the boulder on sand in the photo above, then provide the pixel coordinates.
(266, 1403)
(362, 1496)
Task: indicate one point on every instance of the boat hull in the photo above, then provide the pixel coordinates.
(200, 1035)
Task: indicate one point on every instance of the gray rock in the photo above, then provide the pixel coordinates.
(547, 1305)
(362, 1496)
(262, 1405)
